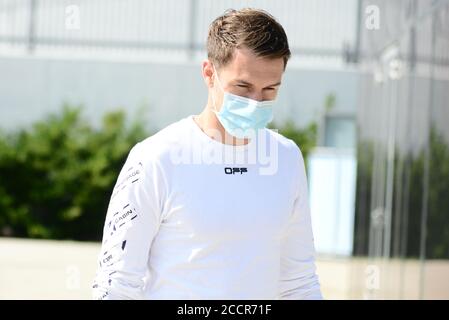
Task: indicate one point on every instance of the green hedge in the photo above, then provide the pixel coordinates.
(56, 177)
(305, 138)
(407, 200)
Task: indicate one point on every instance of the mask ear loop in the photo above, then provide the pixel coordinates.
(219, 84)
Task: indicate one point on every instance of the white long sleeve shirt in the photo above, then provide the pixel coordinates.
(193, 218)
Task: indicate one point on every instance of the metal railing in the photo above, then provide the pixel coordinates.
(170, 25)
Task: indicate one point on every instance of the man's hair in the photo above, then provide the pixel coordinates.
(249, 28)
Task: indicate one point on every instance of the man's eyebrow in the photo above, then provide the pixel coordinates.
(250, 84)
(243, 82)
(274, 85)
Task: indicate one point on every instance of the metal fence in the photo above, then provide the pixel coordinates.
(402, 207)
(168, 26)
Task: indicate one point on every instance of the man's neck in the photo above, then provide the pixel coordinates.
(209, 124)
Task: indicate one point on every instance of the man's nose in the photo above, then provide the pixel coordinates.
(258, 96)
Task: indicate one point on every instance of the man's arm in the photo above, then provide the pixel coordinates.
(298, 278)
(132, 221)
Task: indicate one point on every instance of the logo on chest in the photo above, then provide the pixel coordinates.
(229, 170)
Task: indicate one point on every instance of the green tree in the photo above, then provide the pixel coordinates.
(56, 178)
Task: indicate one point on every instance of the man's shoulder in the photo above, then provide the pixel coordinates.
(169, 133)
(162, 142)
(285, 144)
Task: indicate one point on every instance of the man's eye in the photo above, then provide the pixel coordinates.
(242, 86)
(270, 89)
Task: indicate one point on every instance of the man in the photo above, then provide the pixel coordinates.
(196, 213)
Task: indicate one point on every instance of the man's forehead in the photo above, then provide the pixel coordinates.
(246, 59)
(249, 75)
(248, 67)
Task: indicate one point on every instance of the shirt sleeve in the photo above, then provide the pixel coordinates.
(298, 278)
(132, 221)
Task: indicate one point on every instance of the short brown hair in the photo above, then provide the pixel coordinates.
(249, 28)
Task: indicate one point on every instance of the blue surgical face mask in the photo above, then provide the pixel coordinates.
(241, 116)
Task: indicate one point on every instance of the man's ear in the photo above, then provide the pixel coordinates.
(208, 72)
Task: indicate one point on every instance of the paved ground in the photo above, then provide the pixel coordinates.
(31, 269)
(41, 269)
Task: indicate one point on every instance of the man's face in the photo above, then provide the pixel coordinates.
(247, 75)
